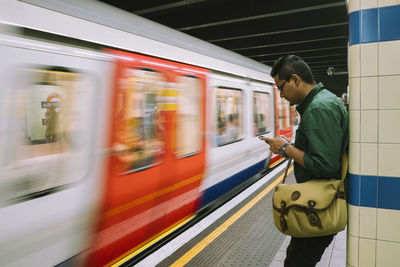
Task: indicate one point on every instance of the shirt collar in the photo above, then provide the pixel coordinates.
(302, 106)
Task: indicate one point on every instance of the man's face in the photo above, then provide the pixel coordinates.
(287, 90)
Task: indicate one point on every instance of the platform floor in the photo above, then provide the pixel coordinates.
(240, 233)
(334, 256)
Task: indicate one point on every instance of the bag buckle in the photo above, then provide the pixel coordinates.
(341, 194)
(312, 215)
(283, 223)
(282, 219)
(314, 220)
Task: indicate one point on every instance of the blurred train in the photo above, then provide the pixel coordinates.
(287, 120)
(116, 130)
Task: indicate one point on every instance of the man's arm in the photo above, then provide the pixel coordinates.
(292, 152)
(296, 154)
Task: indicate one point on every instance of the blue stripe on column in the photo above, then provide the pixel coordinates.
(354, 28)
(389, 193)
(389, 18)
(368, 191)
(354, 189)
(369, 25)
(374, 191)
(373, 25)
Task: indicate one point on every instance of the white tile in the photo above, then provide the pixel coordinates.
(369, 126)
(338, 258)
(367, 252)
(388, 225)
(353, 220)
(280, 255)
(389, 126)
(369, 93)
(382, 3)
(389, 93)
(342, 234)
(354, 61)
(369, 59)
(368, 222)
(354, 93)
(366, 4)
(330, 247)
(275, 263)
(285, 243)
(352, 250)
(323, 262)
(354, 158)
(389, 58)
(353, 5)
(388, 162)
(355, 123)
(340, 241)
(326, 257)
(369, 159)
(387, 254)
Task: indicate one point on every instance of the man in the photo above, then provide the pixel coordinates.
(321, 139)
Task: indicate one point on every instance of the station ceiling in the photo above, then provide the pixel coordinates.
(263, 30)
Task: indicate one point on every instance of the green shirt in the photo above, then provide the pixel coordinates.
(323, 135)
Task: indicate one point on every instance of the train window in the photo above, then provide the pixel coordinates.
(283, 114)
(229, 124)
(49, 131)
(139, 132)
(188, 135)
(261, 120)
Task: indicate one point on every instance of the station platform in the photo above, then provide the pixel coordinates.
(334, 256)
(240, 233)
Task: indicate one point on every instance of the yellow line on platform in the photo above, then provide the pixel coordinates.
(147, 243)
(217, 232)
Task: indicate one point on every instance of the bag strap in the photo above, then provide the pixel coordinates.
(287, 168)
(345, 166)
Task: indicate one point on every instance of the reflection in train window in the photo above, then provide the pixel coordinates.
(47, 145)
(229, 115)
(188, 135)
(139, 124)
(261, 120)
(283, 113)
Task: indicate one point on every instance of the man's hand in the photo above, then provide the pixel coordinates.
(275, 143)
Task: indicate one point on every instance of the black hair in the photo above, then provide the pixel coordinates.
(286, 66)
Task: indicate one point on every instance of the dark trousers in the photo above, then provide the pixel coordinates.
(306, 251)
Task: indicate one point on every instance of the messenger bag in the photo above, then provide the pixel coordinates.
(313, 208)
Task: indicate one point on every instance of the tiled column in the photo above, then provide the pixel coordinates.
(374, 88)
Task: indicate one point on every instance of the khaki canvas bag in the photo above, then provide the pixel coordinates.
(313, 208)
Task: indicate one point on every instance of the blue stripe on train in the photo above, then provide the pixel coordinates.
(374, 25)
(223, 187)
(374, 191)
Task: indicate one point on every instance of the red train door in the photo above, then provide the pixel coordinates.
(158, 154)
(283, 122)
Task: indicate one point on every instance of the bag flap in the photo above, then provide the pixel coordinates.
(321, 191)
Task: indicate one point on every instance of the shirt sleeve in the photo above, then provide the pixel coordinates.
(323, 132)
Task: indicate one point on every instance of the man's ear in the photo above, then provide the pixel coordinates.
(296, 78)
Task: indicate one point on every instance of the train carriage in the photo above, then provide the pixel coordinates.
(116, 130)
